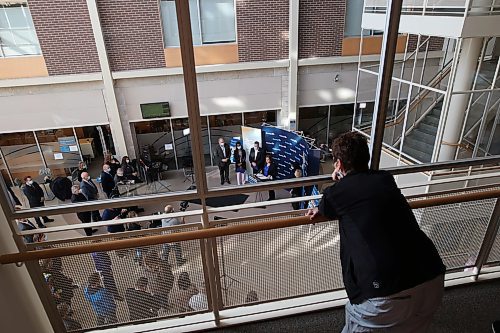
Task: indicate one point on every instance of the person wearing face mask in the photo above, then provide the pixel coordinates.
(36, 198)
(107, 180)
(129, 170)
(114, 165)
(256, 158)
(392, 272)
(222, 158)
(84, 217)
(240, 160)
(90, 191)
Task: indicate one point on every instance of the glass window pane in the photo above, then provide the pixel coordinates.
(24, 37)
(156, 137)
(16, 17)
(354, 12)
(313, 121)
(4, 24)
(217, 21)
(169, 20)
(60, 150)
(340, 120)
(256, 119)
(22, 156)
(182, 139)
(7, 38)
(226, 126)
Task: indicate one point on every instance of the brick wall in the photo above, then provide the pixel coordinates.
(132, 32)
(435, 43)
(321, 28)
(65, 34)
(262, 29)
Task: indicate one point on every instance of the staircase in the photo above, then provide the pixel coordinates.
(419, 142)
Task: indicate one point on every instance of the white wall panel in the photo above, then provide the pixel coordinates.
(215, 96)
(23, 112)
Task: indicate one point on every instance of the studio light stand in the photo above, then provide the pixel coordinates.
(224, 276)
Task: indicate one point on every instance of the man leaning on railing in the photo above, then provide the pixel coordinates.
(392, 272)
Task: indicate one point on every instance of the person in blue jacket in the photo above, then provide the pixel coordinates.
(101, 299)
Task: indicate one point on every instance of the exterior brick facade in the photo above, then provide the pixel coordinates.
(65, 35)
(132, 33)
(321, 28)
(262, 29)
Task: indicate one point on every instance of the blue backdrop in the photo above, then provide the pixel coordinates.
(286, 148)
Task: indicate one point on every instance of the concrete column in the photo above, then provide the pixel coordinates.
(20, 309)
(109, 91)
(465, 73)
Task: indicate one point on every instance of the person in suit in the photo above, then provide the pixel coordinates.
(392, 272)
(36, 198)
(270, 171)
(84, 217)
(25, 224)
(222, 158)
(141, 304)
(240, 160)
(90, 191)
(107, 180)
(256, 157)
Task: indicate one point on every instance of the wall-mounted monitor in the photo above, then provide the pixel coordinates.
(155, 110)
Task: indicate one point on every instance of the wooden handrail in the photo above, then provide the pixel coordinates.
(217, 232)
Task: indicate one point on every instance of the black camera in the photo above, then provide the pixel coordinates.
(183, 206)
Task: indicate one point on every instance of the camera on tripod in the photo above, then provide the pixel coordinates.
(183, 206)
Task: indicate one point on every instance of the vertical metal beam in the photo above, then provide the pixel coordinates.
(173, 144)
(78, 144)
(293, 47)
(112, 110)
(2, 156)
(210, 142)
(358, 74)
(328, 126)
(384, 80)
(489, 238)
(191, 89)
(40, 150)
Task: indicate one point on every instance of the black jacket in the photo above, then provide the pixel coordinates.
(141, 304)
(107, 182)
(84, 217)
(34, 193)
(260, 159)
(61, 187)
(219, 155)
(382, 249)
(272, 171)
(240, 159)
(89, 190)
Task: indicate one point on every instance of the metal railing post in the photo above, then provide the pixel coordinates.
(384, 81)
(489, 240)
(191, 89)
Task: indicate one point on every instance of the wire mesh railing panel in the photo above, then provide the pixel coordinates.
(133, 285)
(494, 256)
(278, 264)
(457, 230)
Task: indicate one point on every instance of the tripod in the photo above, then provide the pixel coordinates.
(155, 185)
(224, 276)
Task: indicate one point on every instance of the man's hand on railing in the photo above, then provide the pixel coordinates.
(313, 213)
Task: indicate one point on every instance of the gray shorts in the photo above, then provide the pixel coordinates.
(408, 311)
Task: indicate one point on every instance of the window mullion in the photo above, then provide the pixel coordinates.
(199, 21)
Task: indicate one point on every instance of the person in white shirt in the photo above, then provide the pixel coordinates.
(168, 222)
